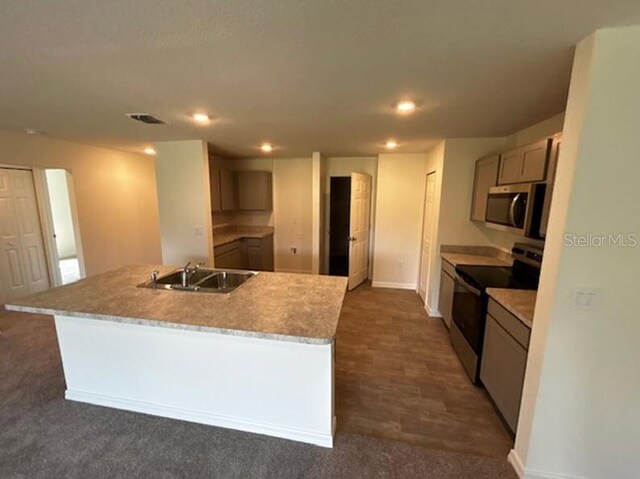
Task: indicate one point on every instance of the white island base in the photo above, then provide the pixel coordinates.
(275, 387)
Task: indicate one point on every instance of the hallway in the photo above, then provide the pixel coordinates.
(397, 377)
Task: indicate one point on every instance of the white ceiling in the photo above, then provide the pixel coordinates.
(307, 75)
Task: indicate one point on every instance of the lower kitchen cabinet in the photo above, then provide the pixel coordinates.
(230, 255)
(504, 360)
(246, 253)
(445, 299)
(260, 253)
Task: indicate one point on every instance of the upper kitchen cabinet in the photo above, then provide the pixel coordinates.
(525, 164)
(223, 190)
(214, 182)
(228, 196)
(255, 191)
(551, 178)
(486, 176)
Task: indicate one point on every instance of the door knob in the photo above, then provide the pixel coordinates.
(352, 238)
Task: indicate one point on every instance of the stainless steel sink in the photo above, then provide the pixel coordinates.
(202, 280)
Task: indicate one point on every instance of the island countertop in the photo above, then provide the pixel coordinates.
(284, 306)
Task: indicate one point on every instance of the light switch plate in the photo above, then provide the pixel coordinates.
(585, 299)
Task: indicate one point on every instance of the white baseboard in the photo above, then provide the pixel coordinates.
(386, 284)
(516, 463)
(524, 473)
(434, 313)
(209, 419)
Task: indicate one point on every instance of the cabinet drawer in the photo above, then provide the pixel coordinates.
(510, 323)
(255, 242)
(226, 248)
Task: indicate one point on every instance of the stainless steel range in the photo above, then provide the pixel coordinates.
(470, 300)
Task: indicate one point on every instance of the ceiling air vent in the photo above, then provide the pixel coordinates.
(145, 118)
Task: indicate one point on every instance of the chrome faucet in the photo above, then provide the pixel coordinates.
(188, 272)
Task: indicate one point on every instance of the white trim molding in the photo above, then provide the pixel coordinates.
(391, 285)
(202, 417)
(524, 473)
(433, 313)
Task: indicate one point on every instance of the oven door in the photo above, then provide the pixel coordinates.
(468, 313)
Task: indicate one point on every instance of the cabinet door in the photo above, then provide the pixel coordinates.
(229, 256)
(255, 191)
(447, 286)
(502, 370)
(228, 196)
(510, 167)
(254, 257)
(485, 177)
(534, 162)
(214, 183)
(266, 247)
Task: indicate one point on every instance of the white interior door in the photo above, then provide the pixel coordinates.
(359, 228)
(427, 228)
(23, 267)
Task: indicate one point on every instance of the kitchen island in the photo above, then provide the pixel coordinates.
(260, 359)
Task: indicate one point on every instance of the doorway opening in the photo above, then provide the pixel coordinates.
(350, 227)
(339, 216)
(64, 239)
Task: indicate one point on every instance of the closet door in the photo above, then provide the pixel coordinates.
(22, 259)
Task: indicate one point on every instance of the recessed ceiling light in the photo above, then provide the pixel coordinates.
(391, 144)
(405, 106)
(149, 151)
(266, 147)
(201, 118)
(33, 131)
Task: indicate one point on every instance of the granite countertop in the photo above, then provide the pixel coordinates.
(461, 259)
(220, 239)
(519, 302)
(284, 306)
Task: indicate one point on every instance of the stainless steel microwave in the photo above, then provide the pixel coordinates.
(516, 208)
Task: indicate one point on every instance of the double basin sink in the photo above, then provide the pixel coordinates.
(203, 280)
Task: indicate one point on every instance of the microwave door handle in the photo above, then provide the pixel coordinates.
(467, 286)
(512, 210)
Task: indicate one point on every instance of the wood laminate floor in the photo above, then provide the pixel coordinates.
(397, 377)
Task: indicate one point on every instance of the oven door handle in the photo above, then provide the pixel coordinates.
(512, 210)
(467, 286)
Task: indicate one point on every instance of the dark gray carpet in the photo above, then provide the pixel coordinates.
(44, 436)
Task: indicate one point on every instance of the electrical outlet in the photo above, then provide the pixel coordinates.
(294, 250)
(198, 230)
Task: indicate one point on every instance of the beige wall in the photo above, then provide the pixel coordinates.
(531, 134)
(398, 219)
(115, 195)
(184, 199)
(293, 218)
(580, 410)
